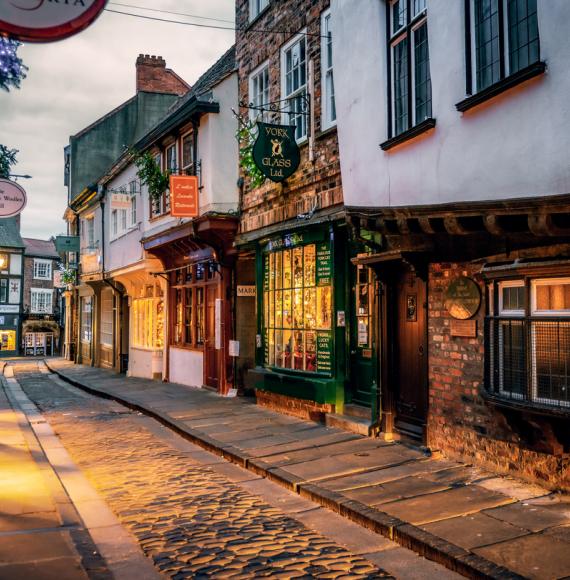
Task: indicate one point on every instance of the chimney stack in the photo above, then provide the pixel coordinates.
(154, 77)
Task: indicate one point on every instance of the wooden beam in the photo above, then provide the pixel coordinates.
(403, 226)
(453, 226)
(426, 226)
(492, 225)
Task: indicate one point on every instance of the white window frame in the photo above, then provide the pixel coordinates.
(189, 134)
(114, 223)
(255, 114)
(133, 210)
(173, 146)
(35, 309)
(256, 7)
(326, 69)
(41, 262)
(509, 284)
(546, 282)
(303, 89)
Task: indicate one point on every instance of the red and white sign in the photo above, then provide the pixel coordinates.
(184, 196)
(47, 20)
(12, 198)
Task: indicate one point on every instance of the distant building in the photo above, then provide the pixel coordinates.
(40, 332)
(11, 272)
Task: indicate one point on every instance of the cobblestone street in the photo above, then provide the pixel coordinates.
(195, 515)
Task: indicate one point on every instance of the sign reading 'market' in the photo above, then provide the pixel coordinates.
(12, 198)
(47, 20)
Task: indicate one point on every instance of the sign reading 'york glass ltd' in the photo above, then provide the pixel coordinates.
(275, 151)
(184, 196)
(47, 20)
(12, 198)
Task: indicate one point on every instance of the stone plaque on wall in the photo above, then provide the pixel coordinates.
(463, 298)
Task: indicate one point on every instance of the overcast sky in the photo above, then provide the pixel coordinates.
(73, 82)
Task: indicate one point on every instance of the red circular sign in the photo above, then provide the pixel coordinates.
(12, 198)
(46, 21)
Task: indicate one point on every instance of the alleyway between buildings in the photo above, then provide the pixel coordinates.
(477, 523)
(132, 487)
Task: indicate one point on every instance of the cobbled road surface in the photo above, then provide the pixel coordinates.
(191, 520)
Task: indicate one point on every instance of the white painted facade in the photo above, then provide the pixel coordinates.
(514, 145)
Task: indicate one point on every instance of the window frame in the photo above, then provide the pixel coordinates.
(161, 205)
(255, 114)
(301, 36)
(43, 262)
(187, 135)
(257, 7)
(519, 283)
(41, 292)
(406, 33)
(506, 76)
(546, 282)
(327, 122)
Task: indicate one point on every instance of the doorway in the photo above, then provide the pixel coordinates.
(213, 324)
(410, 367)
(362, 338)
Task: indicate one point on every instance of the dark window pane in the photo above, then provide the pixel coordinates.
(398, 15)
(512, 358)
(488, 68)
(523, 39)
(422, 74)
(401, 86)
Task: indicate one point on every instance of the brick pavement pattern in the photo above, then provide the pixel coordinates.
(190, 520)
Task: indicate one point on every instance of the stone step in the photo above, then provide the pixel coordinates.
(358, 411)
(347, 423)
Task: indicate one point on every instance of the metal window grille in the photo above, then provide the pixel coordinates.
(528, 360)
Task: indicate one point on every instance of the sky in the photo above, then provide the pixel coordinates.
(73, 82)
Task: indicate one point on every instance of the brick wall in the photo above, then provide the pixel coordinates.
(154, 77)
(461, 423)
(315, 182)
(301, 408)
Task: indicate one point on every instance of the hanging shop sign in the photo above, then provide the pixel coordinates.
(184, 196)
(66, 244)
(275, 151)
(463, 298)
(121, 200)
(12, 198)
(47, 20)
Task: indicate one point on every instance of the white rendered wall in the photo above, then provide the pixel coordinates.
(515, 145)
(186, 367)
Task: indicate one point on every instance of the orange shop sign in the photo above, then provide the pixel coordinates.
(184, 196)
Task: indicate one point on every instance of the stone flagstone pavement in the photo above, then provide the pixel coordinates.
(475, 522)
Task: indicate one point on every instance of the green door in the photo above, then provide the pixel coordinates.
(361, 337)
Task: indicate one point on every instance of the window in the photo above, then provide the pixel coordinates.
(86, 318)
(504, 39)
(294, 85)
(148, 319)
(528, 341)
(189, 286)
(3, 290)
(410, 79)
(133, 208)
(42, 269)
(297, 308)
(114, 223)
(171, 164)
(89, 232)
(41, 301)
(259, 92)
(159, 206)
(328, 102)
(107, 303)
(188, 152)
(256, 7)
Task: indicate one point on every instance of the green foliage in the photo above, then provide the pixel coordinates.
(246, 135)
(68, 276)
(12, 69)
(7, 159)
(150, 174)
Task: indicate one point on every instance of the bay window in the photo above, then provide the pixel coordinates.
(297, 308)
(528, 341)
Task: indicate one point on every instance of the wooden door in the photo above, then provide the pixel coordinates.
(211, 354)
(411, 394)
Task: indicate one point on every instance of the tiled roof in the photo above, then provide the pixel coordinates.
(10, 233)
(40, 248)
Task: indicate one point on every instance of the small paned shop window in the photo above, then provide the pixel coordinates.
(7, 340)
(188, 298)
(148, 319)
(528, 341)
(297, 308)
(86, 318)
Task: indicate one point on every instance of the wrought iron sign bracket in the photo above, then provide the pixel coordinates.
(281, 106)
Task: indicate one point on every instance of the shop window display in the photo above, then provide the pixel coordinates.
(298, 308)
(148, 319)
